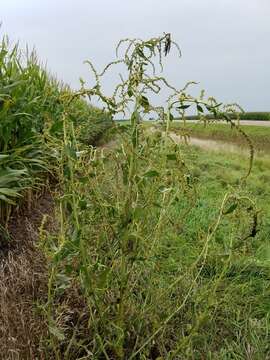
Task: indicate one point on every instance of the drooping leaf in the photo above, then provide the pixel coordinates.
(182, 107)
(144, 102)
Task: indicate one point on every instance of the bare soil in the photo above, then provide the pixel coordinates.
(23, 283)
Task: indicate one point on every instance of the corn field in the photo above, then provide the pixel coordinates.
(32, 104)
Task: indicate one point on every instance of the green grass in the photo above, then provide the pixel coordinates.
(242, 296)
(216, 172)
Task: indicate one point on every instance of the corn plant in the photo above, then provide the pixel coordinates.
(32, 103)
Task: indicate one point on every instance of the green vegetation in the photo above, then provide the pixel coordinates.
(180, 276)
(260, 116)
(158, 250)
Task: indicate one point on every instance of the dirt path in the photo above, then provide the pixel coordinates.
(208, 144)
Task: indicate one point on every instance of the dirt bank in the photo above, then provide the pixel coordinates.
(23, 282)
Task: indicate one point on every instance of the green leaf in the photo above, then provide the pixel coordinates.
(83, 204)
(218, 105)
(151, 173)
(199, 108)
(56, 127)
(183, 107)
(7, 200)
(9, 192)
(140, 52)
(144, 102)
(171, 157)
(230, 209)
(12, 85)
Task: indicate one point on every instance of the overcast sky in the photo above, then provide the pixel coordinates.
(225, 43)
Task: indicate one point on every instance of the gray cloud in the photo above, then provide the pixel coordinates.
(224, 43)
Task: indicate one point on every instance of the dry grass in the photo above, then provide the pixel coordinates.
(23, 282)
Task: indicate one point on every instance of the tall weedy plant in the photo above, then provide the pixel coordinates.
(105, 298)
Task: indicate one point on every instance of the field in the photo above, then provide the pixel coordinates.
(259, 116)
(119, 242)
(260, 135)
